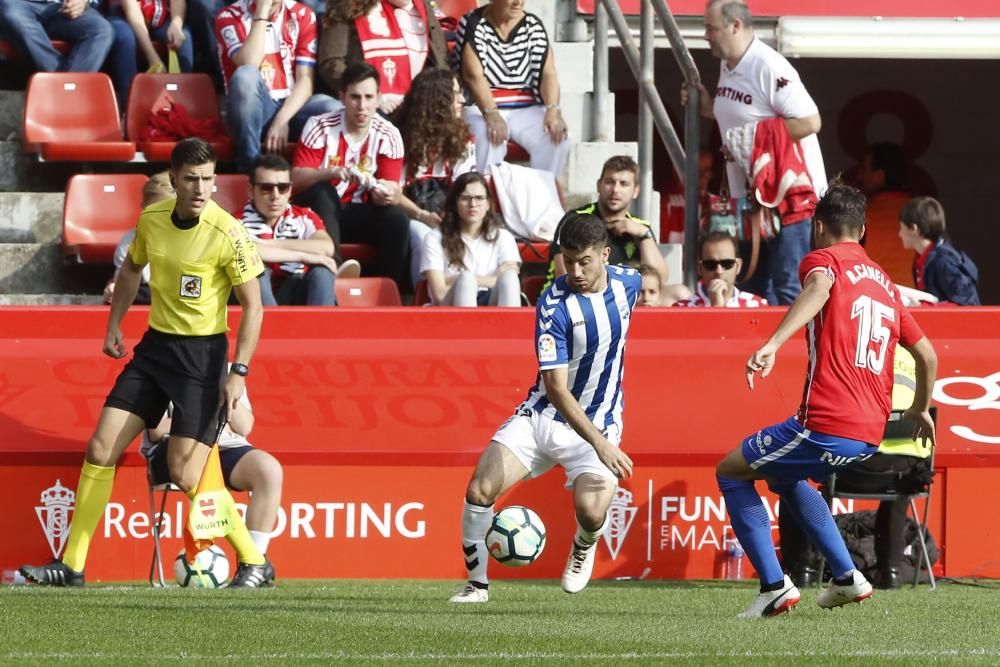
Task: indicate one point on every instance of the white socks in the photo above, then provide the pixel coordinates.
(585, 537)
(476, 521)
(260, 539)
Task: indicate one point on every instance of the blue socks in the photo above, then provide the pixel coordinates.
(752, 526)
(808, 508)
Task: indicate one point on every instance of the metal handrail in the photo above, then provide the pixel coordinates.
(685, 163)
(648, 88)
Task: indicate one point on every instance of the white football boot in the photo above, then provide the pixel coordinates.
(579, 567)
(471, 593)
(835, 595)
(773, 603)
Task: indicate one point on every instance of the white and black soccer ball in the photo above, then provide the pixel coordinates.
(210, 569)
(516, 537)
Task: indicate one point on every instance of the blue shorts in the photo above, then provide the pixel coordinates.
(228, 457)
(790, 451)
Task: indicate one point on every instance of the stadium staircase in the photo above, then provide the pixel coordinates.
(34, 271)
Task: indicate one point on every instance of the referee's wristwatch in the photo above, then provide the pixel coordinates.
(240, 369)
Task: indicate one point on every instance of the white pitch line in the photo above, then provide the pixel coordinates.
(343, 655)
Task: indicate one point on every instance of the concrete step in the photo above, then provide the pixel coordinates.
(37, 268)
(577, 111)
(13, 167)
(575, 66)
(586, 158)
(51, 299)
(31, 217)
(11, 111)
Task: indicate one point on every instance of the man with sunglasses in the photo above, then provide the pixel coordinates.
(718, 267)
(291, 240)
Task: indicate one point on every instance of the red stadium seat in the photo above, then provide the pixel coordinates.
(515, 153)
(232, 192)
(367, 292)
(99, 209)
(456, 8)
(195, 92)
(534, 253)
(532, 287)
(9, 52)
(74, 116)
(421, 293)
(362, 252)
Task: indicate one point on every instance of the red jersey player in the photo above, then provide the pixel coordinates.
(854, 316)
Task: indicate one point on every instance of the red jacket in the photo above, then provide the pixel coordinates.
(778, 173)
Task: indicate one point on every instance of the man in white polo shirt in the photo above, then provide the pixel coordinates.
(757, 83)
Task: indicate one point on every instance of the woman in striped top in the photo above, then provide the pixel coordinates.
(510, 73)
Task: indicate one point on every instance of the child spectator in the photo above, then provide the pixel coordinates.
(471, 260)
(939, 267)
(650, 294)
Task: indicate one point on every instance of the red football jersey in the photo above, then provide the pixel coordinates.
(851, 344)
(325, 144)
(289, 41)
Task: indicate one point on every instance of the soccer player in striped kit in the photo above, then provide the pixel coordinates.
(573, 414)
(853, 315)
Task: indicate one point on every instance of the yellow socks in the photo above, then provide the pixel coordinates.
(92, 496)
(239, 538)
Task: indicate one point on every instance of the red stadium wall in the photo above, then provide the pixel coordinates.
(378, 417)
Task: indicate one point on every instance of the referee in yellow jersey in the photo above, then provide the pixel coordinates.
(197, 254)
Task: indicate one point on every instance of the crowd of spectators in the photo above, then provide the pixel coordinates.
(379, 115)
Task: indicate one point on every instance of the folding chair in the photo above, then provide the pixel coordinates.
(156, 578)
(897, 428)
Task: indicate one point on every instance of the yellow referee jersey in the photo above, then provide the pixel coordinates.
(904, 388)
(192, 271)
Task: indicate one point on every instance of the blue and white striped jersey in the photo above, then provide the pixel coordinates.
(585, 333)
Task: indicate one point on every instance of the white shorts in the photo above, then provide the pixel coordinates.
(540, 442)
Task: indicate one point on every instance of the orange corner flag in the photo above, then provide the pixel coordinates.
(213, 512)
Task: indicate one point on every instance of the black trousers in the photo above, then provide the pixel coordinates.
(385, 227)
(871, 476)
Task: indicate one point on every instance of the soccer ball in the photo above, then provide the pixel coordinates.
(516, 537)
(210, 569)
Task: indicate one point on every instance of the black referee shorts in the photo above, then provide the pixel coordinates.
(185, 370)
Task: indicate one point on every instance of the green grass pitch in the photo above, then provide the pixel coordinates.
(525, 623)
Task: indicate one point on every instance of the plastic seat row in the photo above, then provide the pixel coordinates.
(74, 116)
(100, 208)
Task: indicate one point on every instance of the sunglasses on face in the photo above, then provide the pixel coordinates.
(713, 264)
(282, 188)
